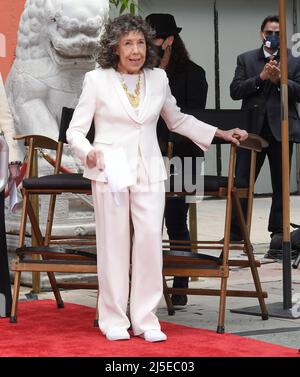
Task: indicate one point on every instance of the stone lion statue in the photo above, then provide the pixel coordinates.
(57, 43)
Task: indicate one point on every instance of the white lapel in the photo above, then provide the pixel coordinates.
(146, 102)
(122, 95)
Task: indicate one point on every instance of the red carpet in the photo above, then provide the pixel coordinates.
(44, 330)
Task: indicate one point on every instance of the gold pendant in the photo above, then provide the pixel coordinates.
(134, 101)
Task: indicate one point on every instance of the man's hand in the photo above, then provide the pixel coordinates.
(95, 158)
(234, 135)
(274, 72)
(271, 71)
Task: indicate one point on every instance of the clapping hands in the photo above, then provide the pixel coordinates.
(271, 71)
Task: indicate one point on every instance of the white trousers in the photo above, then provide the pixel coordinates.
(144, 204)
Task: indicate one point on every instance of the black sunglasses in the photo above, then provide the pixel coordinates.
(271, 32)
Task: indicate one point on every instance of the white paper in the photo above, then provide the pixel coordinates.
(117, 169)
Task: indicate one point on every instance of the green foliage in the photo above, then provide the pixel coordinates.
(123, 5)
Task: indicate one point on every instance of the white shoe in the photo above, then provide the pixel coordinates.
(154, 336)
(117, 334)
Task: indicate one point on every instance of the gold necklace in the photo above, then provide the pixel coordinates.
(134, 98)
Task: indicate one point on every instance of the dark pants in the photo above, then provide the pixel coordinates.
(273, 152)
(176, 211)
(4, 271)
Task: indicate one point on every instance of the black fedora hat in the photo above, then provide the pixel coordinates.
(164, 24)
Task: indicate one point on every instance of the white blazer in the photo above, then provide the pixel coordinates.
(117, 125)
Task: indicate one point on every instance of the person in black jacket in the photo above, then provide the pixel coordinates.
(189, 86)
(257, 83)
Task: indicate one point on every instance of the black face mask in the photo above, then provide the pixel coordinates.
(160, 50)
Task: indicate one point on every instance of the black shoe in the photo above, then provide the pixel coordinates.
(273, 254)
(277, 254)
(275, 248)
(179, 301)
(233, 238)
(276, 241)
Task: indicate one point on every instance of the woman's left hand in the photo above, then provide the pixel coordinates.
(235, 135)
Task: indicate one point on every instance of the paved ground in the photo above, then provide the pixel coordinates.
(202, 311)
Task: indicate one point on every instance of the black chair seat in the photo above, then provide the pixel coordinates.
(213, 183)
(54, 251)
(190, 255)
(58, 182)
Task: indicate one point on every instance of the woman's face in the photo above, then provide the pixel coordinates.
(132, 52)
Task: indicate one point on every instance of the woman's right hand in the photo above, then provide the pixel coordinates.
(95, 158)
(235, 135)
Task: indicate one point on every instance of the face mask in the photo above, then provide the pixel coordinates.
(160, 51)
(272, 42)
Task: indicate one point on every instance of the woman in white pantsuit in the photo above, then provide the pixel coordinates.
(125, 96)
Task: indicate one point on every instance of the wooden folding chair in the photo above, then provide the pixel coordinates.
(178, 261)
(69, 259)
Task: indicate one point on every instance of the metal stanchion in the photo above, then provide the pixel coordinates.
(36, 276)
(193, 227)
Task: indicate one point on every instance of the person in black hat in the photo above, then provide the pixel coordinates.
(189, 86)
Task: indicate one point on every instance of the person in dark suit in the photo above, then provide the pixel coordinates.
(257, 83)
(189, 86)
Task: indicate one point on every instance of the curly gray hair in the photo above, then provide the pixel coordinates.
(114, 30)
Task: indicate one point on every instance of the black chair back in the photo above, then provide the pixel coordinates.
(66, 117)
(225, 119)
